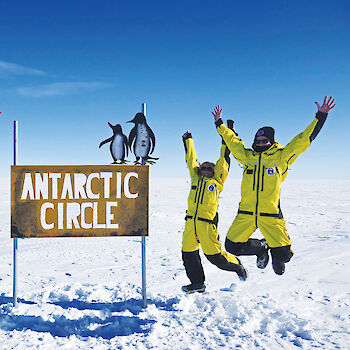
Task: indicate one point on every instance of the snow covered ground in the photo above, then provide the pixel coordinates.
(85, 293)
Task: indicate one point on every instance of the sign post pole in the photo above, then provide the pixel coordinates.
(143, 243)
(15, 242)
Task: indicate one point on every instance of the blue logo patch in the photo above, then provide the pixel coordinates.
(260, 133)
(270, 171)
(211, 188)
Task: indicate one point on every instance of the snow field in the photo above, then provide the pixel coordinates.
(85, 293)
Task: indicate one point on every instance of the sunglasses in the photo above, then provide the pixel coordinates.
(206, 168)
(262, 141)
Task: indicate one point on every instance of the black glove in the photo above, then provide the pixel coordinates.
(230, 126)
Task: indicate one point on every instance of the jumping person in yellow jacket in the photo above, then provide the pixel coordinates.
(264, 169)
(207, 181)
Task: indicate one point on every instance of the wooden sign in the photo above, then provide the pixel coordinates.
(79, 201)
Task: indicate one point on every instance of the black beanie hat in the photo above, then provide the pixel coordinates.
(268, 132)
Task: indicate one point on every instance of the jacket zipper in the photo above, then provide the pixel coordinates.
(257, 193)
(276, 169)
(195, 197)
(203, 190)
(245, 168)
(262, 180)
(199, 194)
(195, 215)
(254, 176)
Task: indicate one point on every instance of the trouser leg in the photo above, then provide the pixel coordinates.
(251, 247)
(238, 241)
(190, 254)
(281, 254)
(209, 239)
(275, 232)
(222, 263)
(193, 267)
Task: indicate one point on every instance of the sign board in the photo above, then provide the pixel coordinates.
(79, 201)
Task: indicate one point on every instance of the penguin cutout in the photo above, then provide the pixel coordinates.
(143, 138)
(119, 144)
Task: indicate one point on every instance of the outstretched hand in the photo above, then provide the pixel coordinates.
(217, 113)
(327, 106)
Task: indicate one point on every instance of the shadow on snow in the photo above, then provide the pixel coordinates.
(133, 305)
(86, 326)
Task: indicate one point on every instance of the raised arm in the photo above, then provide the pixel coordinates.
(301, 142)
(191, 156)
(230, 137)
(222, 166)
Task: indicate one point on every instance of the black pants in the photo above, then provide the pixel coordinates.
(255, 247)
(194, 269)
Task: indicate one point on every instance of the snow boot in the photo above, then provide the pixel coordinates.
(278, 267)
(242, 272)
(263, 259)
(192, 288)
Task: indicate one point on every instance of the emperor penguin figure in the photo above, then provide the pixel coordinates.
(119, 144)
(143, 138)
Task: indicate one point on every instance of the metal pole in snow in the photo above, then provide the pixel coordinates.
(15, 242)
(143, 243)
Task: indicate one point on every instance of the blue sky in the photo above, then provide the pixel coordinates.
(69, 67)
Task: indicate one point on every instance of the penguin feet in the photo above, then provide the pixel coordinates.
(123, 161)
(144, 162)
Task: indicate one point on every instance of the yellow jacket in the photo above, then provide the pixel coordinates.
(263, 172)
(203, 200)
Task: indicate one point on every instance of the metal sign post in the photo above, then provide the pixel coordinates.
(143, 248)
(30, 193)
(15, 240)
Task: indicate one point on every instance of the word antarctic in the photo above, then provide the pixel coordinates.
(55, 187)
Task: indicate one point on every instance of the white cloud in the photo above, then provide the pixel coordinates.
(16, 69)
(62, 88)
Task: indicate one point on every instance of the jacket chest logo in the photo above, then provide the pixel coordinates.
(211, 188)
(270, 171)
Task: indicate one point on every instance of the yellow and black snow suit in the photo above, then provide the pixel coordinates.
(202, 216)
(263, 174)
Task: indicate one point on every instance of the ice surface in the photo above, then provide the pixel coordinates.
(85, 293)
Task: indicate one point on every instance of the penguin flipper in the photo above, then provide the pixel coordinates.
(132, 136)
(126, 145)
(105, 141)
(153, 139)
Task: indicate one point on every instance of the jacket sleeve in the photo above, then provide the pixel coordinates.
(301, 142)
(222, 166)
(234, 143)
(191, 156)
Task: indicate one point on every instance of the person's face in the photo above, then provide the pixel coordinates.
(262, 141)
(207, 170)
